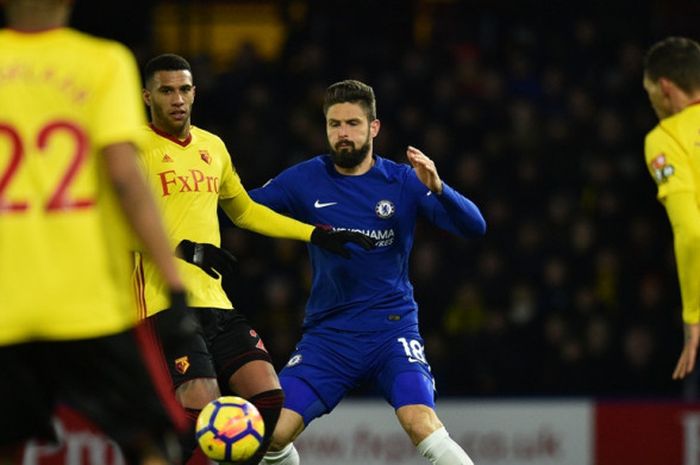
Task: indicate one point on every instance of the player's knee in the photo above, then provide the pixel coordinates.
(289, 426)
(198, 392)
(419, 421)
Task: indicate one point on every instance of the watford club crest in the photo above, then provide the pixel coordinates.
(182, 364)
(205, 156)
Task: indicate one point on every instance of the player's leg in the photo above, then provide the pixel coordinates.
(430, 437)
(316, 378)
(419, 421)
(406, 382)
(120, 384)
(302, 405)
(27, 394)
(282, 450)
(245, 369)
(191, 368)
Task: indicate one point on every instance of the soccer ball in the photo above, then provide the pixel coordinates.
(229, 429)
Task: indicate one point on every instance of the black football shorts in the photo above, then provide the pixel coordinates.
(112, 380)
(224, 343)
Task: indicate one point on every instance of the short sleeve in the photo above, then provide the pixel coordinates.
(668, 163)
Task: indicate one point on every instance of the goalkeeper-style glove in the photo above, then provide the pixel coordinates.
(177, 323)
(335, 241)
(210, 258)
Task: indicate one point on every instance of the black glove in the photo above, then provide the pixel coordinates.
(177, 324)
(208, 257)
(334, 241)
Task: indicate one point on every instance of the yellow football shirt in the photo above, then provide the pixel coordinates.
(187, 178)
(672, 152)
(64, 271)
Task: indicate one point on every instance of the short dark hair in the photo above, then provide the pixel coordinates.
(351, 91)
(164, 62)
(677, 59)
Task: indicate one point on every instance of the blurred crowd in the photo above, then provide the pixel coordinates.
(538, 117)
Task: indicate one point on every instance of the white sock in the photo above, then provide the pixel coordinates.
(440, 449)
(286, 456)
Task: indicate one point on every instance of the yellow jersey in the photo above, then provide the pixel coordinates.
(672, 152)
(187, 178)
(64, 271)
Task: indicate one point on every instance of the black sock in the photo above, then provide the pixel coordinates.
(269, 404)
(188, 441)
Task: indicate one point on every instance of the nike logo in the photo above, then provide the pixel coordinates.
(318, 204)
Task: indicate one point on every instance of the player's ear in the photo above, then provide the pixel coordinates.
(374, 127)
(146, 94)
(194, 92)
(667, 86)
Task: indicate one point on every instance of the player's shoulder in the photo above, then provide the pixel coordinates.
(680, 128)
(98, 49)
(655, 134)
(304, 173)
(391, 166)
(202, 135)
(312, 166)
(68, 40)
(393, 171)
(679, 122)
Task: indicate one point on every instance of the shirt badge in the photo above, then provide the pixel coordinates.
(167, 158)
(384, 209)
(661, 169)
(182, 364)
(205, 156)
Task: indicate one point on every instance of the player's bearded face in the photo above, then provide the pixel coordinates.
(345, 154)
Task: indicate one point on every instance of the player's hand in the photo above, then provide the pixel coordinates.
(425, 169)
(180, 323)
(334, 241)
(214, 260)
(686, 362)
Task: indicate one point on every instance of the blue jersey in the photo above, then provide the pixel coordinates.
(370, 291)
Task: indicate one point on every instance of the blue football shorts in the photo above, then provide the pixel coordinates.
(328, 363)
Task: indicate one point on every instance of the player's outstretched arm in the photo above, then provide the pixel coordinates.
(247, 214)
(452, 212)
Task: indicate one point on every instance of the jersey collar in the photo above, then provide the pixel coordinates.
(378, 168)
(183, 143)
